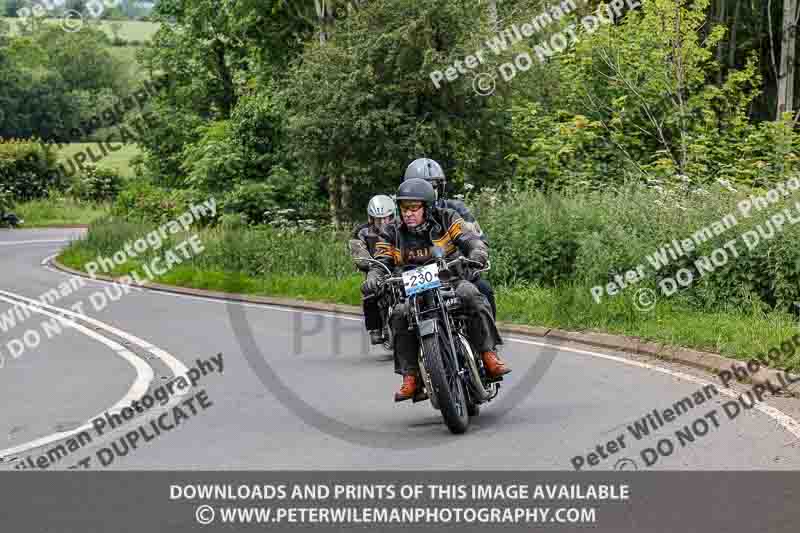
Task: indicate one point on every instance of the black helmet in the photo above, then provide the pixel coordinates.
(425, 168)
(416, 189)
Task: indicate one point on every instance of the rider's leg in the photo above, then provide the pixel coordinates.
(483, 333)
(406, 350)
(372, 320)
(486, 290)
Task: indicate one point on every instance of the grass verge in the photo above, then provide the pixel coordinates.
(58, 212)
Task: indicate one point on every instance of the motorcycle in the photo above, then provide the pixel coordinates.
(453, 374)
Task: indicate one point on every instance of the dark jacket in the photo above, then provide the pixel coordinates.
(399, 247)
(462, 209)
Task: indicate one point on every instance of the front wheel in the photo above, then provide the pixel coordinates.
(447, 385)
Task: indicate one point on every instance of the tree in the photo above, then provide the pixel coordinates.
(788, 48)
(361, 106)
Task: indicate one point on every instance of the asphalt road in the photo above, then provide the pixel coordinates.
(322, 399)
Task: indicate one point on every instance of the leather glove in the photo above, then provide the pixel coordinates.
(480, 256)
(371, 284)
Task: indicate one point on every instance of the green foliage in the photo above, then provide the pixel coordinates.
(283, 199)
(28, 169)
(148, 203)
(634, 101)
(362, 105)
(97, 184)
(50, 80)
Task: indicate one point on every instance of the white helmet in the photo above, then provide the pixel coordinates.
(380, 206)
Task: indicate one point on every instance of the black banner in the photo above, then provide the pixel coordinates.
(84, 502)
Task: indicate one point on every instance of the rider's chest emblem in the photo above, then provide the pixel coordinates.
(417, 255)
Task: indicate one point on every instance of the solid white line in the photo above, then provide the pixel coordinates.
(144, 376)
(787, 422)
(176, 366)
(10, 243)
(47, 259)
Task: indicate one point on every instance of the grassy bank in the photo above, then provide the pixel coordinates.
(316, 267)
(119, 160)
(129, 30)
(58, 211)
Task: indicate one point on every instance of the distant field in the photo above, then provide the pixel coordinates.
(131, 30)
(119, 160)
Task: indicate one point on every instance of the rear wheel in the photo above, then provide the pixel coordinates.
(447, 385)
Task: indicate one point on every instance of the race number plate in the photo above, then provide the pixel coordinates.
(421, 279)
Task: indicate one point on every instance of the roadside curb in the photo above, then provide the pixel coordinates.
(707, 361)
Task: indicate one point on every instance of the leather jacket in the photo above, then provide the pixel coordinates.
(462, 209)
(400, 247)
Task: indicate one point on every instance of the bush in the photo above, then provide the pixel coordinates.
(28, 169)
(97, 184)
(252, 200)
(143, 201)
(283, 200)
(589, 238)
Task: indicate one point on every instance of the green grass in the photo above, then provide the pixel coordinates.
(58, 211)
(734, 334)
(119, 161)
(131, 30)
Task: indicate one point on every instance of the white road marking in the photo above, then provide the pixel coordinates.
(176, 367)
(11, 243)
(47, 259)
(136, 391)
(144, 376)
(787, 422)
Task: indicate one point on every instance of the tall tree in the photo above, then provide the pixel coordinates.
(787, 65)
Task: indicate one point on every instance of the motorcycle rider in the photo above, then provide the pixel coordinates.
(409, 242)
(432, 172)
(380, 212)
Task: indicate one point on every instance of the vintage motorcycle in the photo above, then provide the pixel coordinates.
(453, 374)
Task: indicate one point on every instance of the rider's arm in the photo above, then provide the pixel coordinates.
(464, 236)
(469, 219)
(385, 251)
(359, 250)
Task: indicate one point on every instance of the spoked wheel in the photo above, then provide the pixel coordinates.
(388, 334)
(447, 385)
